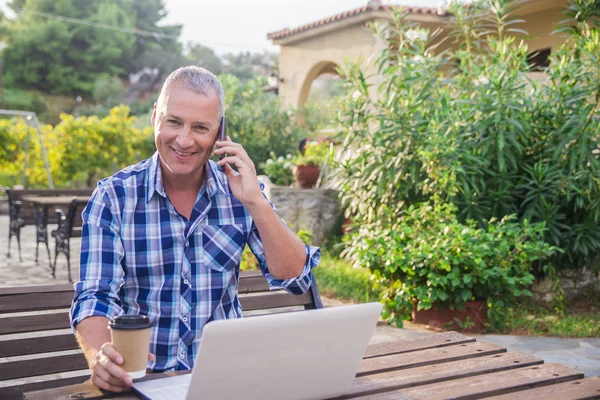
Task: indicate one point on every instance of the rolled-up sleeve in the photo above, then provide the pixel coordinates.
(297, 285)
(101, 269)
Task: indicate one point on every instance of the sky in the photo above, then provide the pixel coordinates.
(242, 25)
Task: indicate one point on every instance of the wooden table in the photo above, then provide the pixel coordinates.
(441, 366)
(41, 204)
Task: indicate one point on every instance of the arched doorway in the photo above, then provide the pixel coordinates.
(319, 69)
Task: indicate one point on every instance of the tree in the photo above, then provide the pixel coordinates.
(247, 65)
(205, 57)
(53, 55)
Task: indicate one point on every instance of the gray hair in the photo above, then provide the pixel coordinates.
(196, 79)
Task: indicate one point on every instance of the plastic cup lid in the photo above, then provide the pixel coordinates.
(130, 322)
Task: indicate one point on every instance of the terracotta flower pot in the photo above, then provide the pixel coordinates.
(439, 315)
(306, 175)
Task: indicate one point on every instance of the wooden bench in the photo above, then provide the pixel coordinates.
(35, 327)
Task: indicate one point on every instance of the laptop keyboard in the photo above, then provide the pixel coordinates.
(176, 392)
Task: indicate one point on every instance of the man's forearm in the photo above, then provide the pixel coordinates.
(284, 251)
(91, 334)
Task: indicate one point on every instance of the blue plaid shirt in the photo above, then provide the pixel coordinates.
(140, 256)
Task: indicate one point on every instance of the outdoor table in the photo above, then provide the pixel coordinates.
(41, 204)
(439, 366)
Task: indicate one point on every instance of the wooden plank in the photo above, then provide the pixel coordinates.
(36, 301)
(274, 300)
(422, 343)
(588, 388)
(88, 391)
(376, 383)
(58, 201)
(63, 287)
(476, 387)
(33, 323)
(37, 345)
(427, 357)
(42, 366)
(252, 282)
(16, 392)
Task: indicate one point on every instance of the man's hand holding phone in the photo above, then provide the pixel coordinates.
(243, 183)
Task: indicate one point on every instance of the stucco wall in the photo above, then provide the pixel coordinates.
(301, 61)
(297, 61)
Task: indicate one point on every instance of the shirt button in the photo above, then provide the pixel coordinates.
(186, 282)
(184, 319)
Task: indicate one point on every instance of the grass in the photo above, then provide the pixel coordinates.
(337, 279)
(581, 319)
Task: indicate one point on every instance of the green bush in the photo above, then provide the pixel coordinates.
(80, 150)
(337, 278)
(429, 257)
(22, 100)
(470, 128)
(278, 169)
(260, 123)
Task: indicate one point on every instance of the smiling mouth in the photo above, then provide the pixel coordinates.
(180, 153)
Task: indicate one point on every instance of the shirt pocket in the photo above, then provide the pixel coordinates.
(222, 246)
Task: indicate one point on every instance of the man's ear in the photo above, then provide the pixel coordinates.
(153, 116)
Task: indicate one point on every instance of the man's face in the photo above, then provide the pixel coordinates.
(185, 130)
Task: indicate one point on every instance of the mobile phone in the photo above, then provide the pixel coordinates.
(222, 136)
(222, 133)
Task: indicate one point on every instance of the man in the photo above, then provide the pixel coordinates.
(164, 238)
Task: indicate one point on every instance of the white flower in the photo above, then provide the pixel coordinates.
(417, 59)
(482, 80)
(269, 161)
(417, 34)
(280, 159)
(356, 95)
(287, 165)
(289, 156)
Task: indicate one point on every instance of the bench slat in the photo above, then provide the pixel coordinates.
(427, 357)
(33, 323)
(42, 366)
(60, 287)
(38, 345)
(588, 388)
(252, 282)
(377, 383)
(422, 343)
(275, 300)
(36, 301)
(476, 387)
(16, 392)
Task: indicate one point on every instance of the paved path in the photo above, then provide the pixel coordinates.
(581, 354)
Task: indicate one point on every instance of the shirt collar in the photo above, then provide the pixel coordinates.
(214, 179)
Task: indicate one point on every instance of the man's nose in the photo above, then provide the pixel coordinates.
(184, 138)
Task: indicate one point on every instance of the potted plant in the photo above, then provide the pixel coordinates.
(307, 165)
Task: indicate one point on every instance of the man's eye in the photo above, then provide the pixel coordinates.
(200, 128)
(173, 121)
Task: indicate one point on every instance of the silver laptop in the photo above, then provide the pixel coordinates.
(310, 354)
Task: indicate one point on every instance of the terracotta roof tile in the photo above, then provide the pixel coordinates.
(374, 5)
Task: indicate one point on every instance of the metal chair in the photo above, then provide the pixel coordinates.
(16, 223)
(63, 234)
